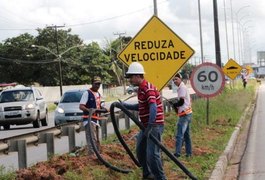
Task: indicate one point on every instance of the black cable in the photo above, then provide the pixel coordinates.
(156, 141)
(107, 164)
(116, 129)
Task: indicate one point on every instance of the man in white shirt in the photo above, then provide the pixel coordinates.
(184, 113)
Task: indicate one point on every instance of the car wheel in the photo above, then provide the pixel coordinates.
(6, 127)
(36, 123)
(44, 121)
(130, 92)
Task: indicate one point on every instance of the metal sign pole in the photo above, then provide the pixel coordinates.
(155, 8)
(207, 111)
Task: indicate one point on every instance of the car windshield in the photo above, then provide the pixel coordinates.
(70, 97)
(16, 95)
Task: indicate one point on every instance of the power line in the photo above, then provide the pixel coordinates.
(9, 60)
(86, 23)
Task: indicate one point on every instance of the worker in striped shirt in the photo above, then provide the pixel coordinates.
(151, 114)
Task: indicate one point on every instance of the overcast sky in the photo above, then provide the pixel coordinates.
(99, 20)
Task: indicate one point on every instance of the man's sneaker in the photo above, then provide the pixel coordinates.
(188, 155)
(176, 155)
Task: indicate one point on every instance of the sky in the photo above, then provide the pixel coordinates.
(103, 20)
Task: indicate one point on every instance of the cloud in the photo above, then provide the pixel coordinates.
(98, 20)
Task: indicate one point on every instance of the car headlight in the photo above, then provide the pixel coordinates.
(60, 110)
(30, 106)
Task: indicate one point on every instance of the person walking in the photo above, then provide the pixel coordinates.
(151, 114)
(244, 79)
(92, 99)
(184, 113)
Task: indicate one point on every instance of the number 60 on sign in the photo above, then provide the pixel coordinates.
(207, 80)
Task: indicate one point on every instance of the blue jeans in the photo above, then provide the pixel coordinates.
(148, 153)
(183, 134)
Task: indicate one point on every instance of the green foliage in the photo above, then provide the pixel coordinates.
(21, 63)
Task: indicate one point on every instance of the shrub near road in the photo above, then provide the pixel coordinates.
(209, 142)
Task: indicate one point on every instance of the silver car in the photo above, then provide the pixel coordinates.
(22, 106)
(68, 108)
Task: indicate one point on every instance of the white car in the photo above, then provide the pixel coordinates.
(132, 89)
(22, 106)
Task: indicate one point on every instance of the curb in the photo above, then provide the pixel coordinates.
(223, 161)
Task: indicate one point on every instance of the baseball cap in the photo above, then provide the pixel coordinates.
(96, 79)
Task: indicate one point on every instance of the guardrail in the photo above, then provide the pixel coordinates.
(19, 143)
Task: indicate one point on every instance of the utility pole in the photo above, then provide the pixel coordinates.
(200, 26)
(60, 60)
(216, 33)
(155, 8)
(123, 71)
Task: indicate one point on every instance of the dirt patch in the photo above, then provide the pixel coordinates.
(58, 166)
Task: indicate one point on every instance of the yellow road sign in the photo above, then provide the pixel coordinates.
(232, 69)
(159, 50)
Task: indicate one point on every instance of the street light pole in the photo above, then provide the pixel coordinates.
(123, 68)
(200, 26)
(233, 35)
(59, 57)
(226, 34)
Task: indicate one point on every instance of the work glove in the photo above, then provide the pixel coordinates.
(174, 105)
(148, 131)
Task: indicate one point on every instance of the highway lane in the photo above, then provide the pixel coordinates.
(22, 129)
(28, 128)
(252, 165)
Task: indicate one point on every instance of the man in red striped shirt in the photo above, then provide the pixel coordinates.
(151, 114)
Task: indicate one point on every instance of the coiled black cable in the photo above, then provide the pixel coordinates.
(156, 141)
(107, 164)
(116, 129)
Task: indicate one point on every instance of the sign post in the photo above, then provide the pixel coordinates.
(207, 80)
(161, 52)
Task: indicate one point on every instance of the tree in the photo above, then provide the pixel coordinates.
(112, 49)
(70, 59)
(12, 52)
(94, 63)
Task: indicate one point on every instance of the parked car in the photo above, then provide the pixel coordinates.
(132, 89)
(68, 107)
(22, 105)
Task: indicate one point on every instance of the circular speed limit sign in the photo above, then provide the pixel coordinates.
(207, 80)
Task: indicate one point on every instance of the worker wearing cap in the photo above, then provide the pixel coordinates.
(92, 99)
(184, 113)
(152, 117)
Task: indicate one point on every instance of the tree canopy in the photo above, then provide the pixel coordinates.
(28, 59)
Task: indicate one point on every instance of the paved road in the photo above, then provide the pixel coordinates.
(252, 165)
(22, 129)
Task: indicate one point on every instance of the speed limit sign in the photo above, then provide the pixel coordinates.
(207, 80)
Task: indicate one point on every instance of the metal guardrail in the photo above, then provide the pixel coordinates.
(19, 143)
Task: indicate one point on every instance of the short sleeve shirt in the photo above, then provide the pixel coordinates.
(147, 94)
